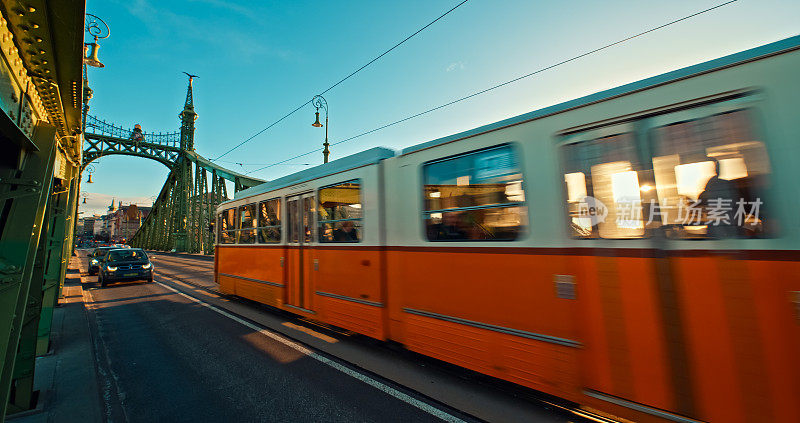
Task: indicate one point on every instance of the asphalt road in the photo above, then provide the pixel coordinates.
(166, 356)
(163, 357)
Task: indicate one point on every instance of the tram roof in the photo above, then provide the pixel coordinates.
(364, 158)
(777, 47)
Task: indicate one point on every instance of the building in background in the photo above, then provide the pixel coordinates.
(126, 220)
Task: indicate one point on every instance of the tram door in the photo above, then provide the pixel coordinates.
(300, 214)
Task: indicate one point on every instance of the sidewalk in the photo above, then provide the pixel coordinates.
(66, 377)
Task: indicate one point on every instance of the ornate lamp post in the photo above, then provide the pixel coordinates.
(99, 30)
(90, 170)
(319, 102)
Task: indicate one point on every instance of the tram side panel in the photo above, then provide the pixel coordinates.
(251, 258)
(347, 255)
(489, 306)
(258, 273)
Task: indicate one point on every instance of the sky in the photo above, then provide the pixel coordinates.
(259, 60)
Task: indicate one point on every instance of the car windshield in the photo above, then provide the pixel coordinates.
(126, 255)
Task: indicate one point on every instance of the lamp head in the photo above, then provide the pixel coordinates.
(316, 123)
(91, 55)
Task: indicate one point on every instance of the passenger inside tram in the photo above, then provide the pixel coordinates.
(346, 233)
(451, 226)
(716, 193)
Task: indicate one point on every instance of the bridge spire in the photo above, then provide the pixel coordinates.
(187, 117)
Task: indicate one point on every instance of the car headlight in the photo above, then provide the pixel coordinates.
(147, 266)
(111, 268)
(94, 261)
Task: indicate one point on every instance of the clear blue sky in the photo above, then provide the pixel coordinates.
(258, 60)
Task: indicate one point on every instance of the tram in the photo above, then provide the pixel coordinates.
(634, 251)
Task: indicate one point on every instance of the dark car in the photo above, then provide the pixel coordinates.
(96, 258)
(127, 264)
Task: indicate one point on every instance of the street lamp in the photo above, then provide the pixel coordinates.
(99, 30)
(90, 169)
(319, 102)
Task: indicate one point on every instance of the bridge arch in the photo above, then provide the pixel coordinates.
(104, 139)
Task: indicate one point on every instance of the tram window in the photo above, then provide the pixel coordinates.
(308, 219)
(269, 221)
(340, 213)
(247, 223)
(711, 175)
(227, 227)
(603, 191)
(291, 221)
(477, 196)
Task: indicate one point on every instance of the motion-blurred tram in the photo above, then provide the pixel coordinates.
(634, 251)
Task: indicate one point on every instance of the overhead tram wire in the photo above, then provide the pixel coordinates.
(260, 164)
(475, 94)
(340, 81)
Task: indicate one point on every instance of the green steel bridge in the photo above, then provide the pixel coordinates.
(184, 209)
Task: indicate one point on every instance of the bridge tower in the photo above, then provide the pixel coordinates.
(183, 242)
(187, 117)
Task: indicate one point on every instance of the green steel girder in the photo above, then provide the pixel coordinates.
(26, 193)
(230, 175)
(185, 207)
(40, 154)
(101, 145)
(104, 139)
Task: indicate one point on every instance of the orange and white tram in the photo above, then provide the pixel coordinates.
(634, 251)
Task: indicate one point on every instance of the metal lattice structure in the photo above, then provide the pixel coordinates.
(184, 209)
(40, 160)
(103, 139)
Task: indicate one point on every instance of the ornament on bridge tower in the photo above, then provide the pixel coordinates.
(137, 134)
(187, 117)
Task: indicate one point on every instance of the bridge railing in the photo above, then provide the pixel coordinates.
(101, 127)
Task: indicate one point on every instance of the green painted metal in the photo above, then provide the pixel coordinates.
(25, 193)
(104, 139)
(184, 209)
(40, 149)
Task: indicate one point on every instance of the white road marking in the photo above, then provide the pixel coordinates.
(346, 370)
